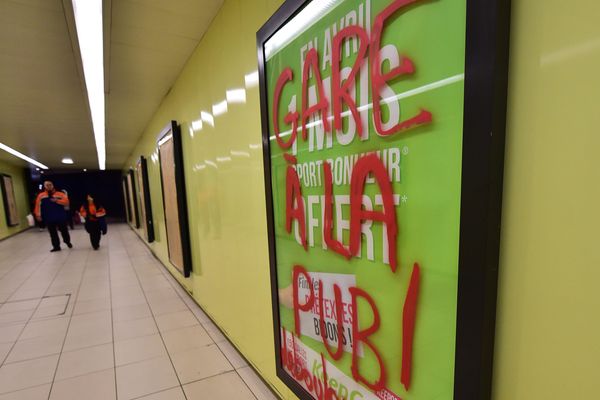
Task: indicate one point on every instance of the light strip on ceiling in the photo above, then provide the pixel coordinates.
(21, 156)
(88, 21)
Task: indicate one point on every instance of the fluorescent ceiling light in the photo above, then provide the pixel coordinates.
(67, 160)
(251, 79)
(208, 118)
(88, 21)
(236, 96)
(21, 156)
(219, 108)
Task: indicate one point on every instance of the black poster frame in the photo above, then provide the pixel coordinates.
(484, 124)
(136, 212)
(174, 129)
(129, 216)
(145, 192)
(5, 195)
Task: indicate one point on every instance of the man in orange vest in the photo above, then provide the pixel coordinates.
(50, 207)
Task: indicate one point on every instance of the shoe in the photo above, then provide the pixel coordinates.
(69, 245)
(55, 249)
(96, 247)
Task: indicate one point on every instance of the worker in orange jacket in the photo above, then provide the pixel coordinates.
(50, 207)
(95, 222)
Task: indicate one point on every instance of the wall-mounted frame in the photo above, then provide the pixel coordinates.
(132, 198)
(383, 134)
(10, 202)
(128, 214)
(170, 153)
(144, 195)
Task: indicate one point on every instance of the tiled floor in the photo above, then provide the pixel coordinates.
(108, 324)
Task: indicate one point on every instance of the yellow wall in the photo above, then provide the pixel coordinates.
(548, 330)
(23, 207)
(547, 343)
(226, 203)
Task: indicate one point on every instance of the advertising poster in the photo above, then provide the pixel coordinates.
(10, 203)
(144, 196)
(170, 152)
(363, 106)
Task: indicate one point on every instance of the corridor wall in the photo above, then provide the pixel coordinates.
(23, 208)
(546, 343)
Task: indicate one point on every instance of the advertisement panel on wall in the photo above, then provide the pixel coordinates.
(170, 155)
(383, 126)
(144, 196)
(10, 202)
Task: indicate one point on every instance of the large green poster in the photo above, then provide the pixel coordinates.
(364, 118)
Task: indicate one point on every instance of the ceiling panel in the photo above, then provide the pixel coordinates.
(43, 112)
(151, 40)
(43, 108)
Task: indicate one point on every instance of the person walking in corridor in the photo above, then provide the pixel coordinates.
(50, 209)
(95, 221)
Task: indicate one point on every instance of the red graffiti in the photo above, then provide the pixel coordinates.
(339, 323)
(341, 91)
(365, 166)
(300, 270)
(409, 315)
(331, 243)
(379, 80)
(293, 194)
(362, 336)
(285, 76)
(311, 63)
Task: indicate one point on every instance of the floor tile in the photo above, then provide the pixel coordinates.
(34, 348)
(35, 393)
(221, 387)
(94, 386)
(256, 385)
(88, 306)
(200, 363)
(131, 312)
(167, 306)
(146, 377)
(139, 349)
(171, 394)
(19, 306)
(214, 332)
(232, 355)
(181, 319)
(16, 316)
(26, 374)
(85, 361)
(5, 348)
(184, 339)
(10, 333)
(135, 328)
(55, 326)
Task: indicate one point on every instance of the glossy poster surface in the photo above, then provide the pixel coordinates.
(10, 203)
(365, 113)
(169, 186)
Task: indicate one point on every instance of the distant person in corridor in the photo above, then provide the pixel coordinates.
(95, 221)
(50, 209)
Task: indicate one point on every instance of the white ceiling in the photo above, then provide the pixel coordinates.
(43, 103)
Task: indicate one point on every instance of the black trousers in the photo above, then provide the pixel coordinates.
(62, 227)
(93, 228)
